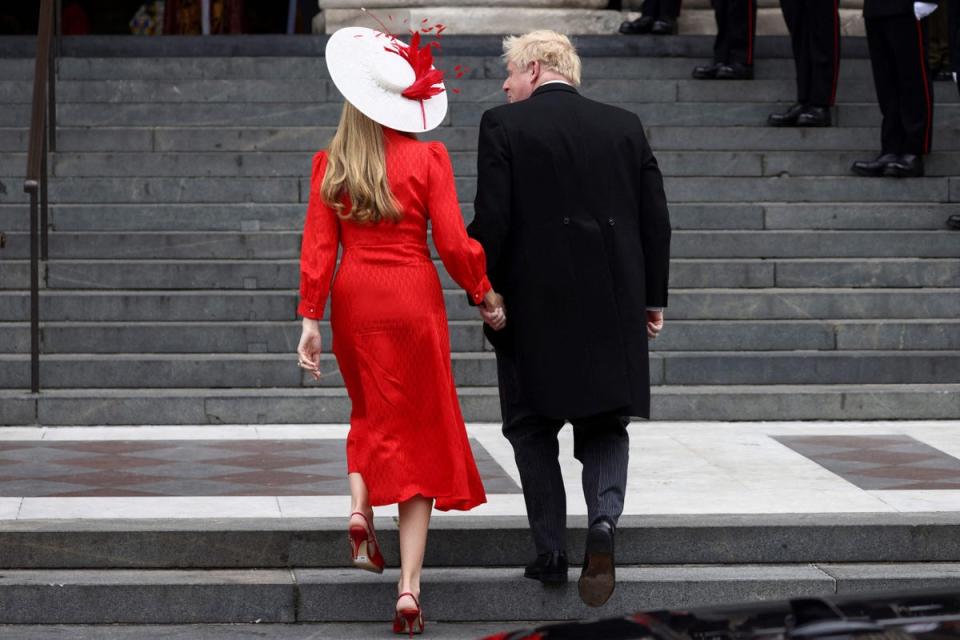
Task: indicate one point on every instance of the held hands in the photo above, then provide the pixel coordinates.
(308, 351)
(654, 323)
(493, 311)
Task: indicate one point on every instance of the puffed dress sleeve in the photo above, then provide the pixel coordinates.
(318, 249)
(462, 256)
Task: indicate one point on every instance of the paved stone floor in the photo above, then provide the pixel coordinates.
(297, 471)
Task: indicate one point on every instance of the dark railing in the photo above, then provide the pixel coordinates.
(43, 139)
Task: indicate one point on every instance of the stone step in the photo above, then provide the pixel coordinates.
(684, 274)
(285, 164)
(755, 137)
(131, 67)
(688, 244)
(250, 631)
(252, 217)
(467, 336)
(450, 594)
(260, 371)
(79, 407)
(461, 114)
(714, 190)
(685, 304)
(477, 541)
(213, 91)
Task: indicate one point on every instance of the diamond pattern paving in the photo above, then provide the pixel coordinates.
(880, 462)
(192, 468)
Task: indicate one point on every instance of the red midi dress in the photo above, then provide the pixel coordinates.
(389, 322)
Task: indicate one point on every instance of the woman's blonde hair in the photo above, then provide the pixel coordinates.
(357, 168)
(553, 50)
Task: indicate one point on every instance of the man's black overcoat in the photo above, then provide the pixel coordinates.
(571, 212)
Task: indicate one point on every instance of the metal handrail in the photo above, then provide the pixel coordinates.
(42, 140)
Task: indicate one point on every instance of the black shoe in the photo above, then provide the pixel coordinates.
(814, 117)
(664, 27)
(548, 568)
(707, 71)
(953, 222)
(873, 168)
(906, 166)
(643, 24)
(598, 577)
(788, 118)
(735, 71)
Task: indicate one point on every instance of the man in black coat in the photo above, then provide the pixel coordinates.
(896, 36)
(571, 212)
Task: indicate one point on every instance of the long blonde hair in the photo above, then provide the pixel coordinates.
(357, 168)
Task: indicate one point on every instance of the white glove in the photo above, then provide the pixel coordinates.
(923, 9)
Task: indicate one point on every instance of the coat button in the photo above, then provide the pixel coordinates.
(611, 221)
(566, 220)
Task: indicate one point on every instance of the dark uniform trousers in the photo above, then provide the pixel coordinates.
(898, 54)
(815, 37)
(736, 31)
(661, 8)
(600, 443)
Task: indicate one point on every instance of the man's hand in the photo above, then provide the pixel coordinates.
(308, 351)
(654, 323)
(493, 311)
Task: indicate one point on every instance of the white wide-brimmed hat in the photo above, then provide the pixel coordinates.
(388, 81)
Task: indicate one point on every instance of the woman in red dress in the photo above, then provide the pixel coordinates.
(373, 192)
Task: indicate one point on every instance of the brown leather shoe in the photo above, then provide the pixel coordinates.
(598, 577)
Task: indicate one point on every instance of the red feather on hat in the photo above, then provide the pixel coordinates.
(420, 60)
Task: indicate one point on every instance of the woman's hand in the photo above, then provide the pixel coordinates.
(493, 311)
(308, 351)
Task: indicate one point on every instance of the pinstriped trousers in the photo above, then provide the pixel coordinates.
(600, 443)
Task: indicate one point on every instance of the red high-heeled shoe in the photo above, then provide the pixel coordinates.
(408, 620)
(364, 545)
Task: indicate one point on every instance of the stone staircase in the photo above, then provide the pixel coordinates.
(799, 292)
(236, 571)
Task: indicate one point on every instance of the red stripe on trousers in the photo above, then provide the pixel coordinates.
(749, 31)
(926, 90)
(836, 51)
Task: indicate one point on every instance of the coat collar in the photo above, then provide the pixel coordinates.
(554, 86)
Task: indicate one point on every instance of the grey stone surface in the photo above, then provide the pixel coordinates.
(205, 90)
(87, 165)
(923, 334)
(90, 596)
(812, 163)
(133, 246)
(193, 68)
(683, 335)
(235, 216)
(17, 408)
(867, 216)
(821, 189)
(849, 367)
(717, 273)
(868, 273)
(870, 245)
(807, 402)
(148, 190)
(496, 594)
(716, 216)
(888, 577)
(490, 541)
(806, 304)
(187, 113)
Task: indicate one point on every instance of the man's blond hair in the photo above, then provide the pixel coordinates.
(553, 50)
